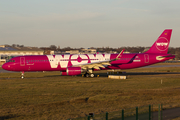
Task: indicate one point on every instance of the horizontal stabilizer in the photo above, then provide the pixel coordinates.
(166, 56)
(163, 57)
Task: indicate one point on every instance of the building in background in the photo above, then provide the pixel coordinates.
(77, 51)
(88, 51)
(7, 52)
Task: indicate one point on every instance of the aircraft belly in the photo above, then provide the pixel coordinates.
(129, 66)
(40, 67)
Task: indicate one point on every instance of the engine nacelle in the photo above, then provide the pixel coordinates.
(72, 71)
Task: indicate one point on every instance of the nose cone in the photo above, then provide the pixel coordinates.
(5, 66)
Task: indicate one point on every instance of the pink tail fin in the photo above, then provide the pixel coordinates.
(162, 43)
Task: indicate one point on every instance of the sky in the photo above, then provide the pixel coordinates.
(88, 23)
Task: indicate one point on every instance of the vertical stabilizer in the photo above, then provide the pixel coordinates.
(162, 43)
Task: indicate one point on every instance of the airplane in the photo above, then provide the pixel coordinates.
(76, 64)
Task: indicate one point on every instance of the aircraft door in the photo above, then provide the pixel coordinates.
(146, 58)
(22, 61)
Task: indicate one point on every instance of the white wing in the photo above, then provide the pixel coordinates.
(98, 65)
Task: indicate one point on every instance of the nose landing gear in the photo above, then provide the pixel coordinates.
(22, 74)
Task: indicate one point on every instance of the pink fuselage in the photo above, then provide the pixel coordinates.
(61, 62)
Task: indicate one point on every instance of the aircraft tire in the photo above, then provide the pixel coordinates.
(87, 75)
(92, 75)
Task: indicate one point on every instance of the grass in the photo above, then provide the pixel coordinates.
(50, 96)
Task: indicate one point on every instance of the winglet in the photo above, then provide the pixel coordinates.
(120, 54)
(118, 57)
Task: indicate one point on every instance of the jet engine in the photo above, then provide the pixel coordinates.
(72, 71)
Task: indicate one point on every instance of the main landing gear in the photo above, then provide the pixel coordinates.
(89, 73)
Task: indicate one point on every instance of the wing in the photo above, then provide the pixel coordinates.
(98, 65)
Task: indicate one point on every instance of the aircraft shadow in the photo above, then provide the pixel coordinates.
(122, 74)
(136, 73)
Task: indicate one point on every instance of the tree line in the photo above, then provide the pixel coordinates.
(138, 49)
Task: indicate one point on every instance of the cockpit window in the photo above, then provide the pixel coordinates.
(11, 60)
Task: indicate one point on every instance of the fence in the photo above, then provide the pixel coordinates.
(150, 112)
